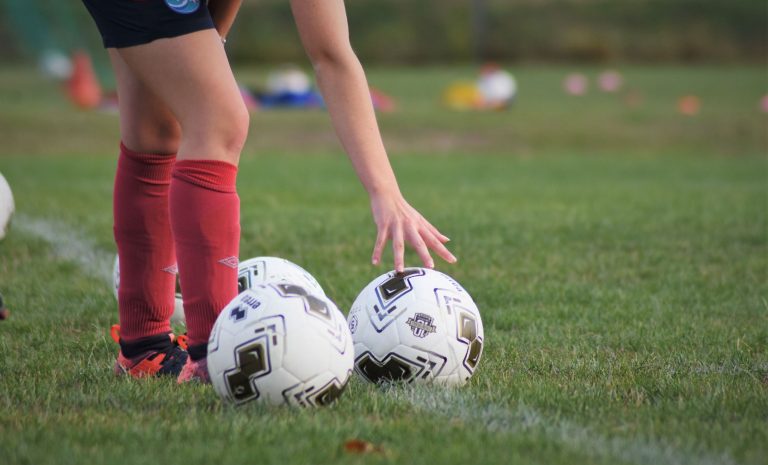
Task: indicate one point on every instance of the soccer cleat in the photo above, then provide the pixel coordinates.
(195, 370)
(162, 359)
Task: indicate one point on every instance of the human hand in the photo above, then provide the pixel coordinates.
(399, 222)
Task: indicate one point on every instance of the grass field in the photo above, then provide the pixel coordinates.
(619, 257)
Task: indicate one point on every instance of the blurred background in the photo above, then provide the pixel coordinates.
(473, 76)
(455, 31)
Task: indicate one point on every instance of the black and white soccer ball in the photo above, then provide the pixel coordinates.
(178, 305)
(418, 326)
(275, 270)
(7, 206)
(280, 344)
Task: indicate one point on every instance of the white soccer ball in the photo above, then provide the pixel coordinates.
(418, 326)
(274, 270)
(498, 87)
(178, 306)
(279, 344)
(55, 64)
(7, 206)
(288, 80)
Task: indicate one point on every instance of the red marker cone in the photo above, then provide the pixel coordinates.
(83, 86)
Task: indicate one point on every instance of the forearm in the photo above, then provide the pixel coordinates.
(322, 25)
(345, 90)
(223, 13)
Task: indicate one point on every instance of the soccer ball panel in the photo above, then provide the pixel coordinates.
(304, 364)
(319, 391)
(275, 270)
(402, 363)
(252, 361)
(466, 337)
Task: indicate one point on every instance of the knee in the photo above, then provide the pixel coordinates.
(235, 130)
(152, 135)
(219, 132)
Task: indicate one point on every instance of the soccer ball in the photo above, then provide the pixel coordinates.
(274, 270)
(55, 64)
(178, 307)
(288, 80)
(498, 87)
(279, 344)
(6, 206)
(418, 326)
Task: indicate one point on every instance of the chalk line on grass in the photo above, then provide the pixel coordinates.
(69, 245)
(453, 403)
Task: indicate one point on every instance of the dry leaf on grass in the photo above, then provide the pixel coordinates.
(358, 446)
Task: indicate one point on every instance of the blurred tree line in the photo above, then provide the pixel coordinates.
(415, 31)
(425, 31)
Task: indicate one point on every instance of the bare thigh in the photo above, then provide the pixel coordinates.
(147, 124)
(191, 77)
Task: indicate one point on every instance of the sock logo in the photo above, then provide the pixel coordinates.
(173, 269)
(183, 6)
(230, 262)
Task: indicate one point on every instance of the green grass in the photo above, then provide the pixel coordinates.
(619, 257)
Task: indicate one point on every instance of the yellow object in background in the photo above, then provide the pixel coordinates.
(463, 96)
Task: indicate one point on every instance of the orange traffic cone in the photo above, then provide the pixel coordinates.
(83, 86)
(689, 105)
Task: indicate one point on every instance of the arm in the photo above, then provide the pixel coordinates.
(324, 32)
(223, 13)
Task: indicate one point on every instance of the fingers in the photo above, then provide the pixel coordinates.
(403, 225)
(440, 236)
(378, 248)
(398, 248)
(435, 240)
(435, 243)
(417, 242)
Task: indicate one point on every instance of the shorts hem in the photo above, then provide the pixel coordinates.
(145, 39)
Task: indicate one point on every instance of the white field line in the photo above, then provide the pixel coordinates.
(68, 245)
(453, 403)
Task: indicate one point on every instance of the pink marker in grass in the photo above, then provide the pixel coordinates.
(576, 84)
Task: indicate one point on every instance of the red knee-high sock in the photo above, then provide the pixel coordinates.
(142, 231)
(205, 216)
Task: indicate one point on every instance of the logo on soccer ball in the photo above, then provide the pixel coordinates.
(353, 324)
(184, 7)
(421, 324)
(238, 313)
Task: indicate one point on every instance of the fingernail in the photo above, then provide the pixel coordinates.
(454, 259)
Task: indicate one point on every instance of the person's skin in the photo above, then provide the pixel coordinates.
(178, 95)
(223, 13)
(323, 28)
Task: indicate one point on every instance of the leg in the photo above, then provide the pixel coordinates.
(191, 75)
(150, 137)
(147, 125)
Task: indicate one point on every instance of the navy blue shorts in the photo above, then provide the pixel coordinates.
(125, 23)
